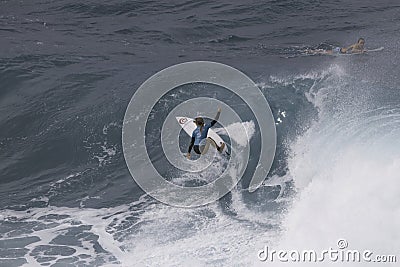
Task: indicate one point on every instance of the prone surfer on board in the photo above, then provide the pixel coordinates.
(353, 49)
(200, 142)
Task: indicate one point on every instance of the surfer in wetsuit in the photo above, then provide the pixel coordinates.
(353, 49)
(200, 142)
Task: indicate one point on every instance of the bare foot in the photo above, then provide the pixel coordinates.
(221, 147)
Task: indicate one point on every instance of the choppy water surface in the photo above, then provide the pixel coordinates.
(68, 70)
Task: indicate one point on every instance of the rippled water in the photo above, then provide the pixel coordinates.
(68, 70)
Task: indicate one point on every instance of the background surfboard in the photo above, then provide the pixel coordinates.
(304, 54)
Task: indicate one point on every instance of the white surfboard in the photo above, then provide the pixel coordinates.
(366, 51)
(189, 126)
(375, 50)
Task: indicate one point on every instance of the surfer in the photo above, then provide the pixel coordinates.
(352, 49)
(200, 142)
(357, 47)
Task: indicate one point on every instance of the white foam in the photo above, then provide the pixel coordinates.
(236, 133)
(346, 171)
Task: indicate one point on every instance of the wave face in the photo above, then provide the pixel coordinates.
(68, 70)
(345, 168)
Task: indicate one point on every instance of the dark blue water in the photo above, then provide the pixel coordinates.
(69, 69)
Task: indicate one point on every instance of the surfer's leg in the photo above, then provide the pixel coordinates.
(318, 52)
(205, 145)
(209, 141)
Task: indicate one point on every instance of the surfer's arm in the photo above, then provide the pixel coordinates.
(351, 49)
(216, 117)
